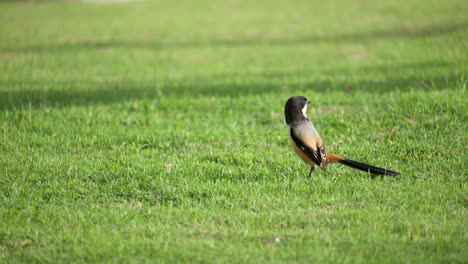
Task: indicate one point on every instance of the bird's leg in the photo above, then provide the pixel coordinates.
(311, 170)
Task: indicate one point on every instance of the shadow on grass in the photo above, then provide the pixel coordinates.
(425, 31)
(24, 94)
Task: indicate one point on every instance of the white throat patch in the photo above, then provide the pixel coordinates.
(304, 111)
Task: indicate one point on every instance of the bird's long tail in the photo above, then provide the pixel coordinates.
(331, 158)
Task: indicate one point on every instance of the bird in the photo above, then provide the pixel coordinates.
(308, 144)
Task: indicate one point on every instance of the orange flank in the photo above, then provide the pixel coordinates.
(332, 158)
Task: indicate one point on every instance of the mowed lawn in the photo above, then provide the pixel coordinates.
(153, 131)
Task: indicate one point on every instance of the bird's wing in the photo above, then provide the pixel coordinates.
(307, 139)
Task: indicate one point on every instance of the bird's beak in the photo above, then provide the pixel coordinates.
(308, 101)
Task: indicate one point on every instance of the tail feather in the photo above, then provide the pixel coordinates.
(367, 168)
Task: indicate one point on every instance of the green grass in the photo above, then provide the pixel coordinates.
(154, 132)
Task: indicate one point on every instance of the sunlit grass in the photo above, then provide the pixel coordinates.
(153, 131)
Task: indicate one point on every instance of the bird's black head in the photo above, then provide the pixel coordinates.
(295, 109)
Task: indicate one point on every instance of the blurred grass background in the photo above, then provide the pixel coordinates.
(153, 131)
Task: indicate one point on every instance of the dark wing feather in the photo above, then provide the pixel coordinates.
(314, 155)
(323, 157)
